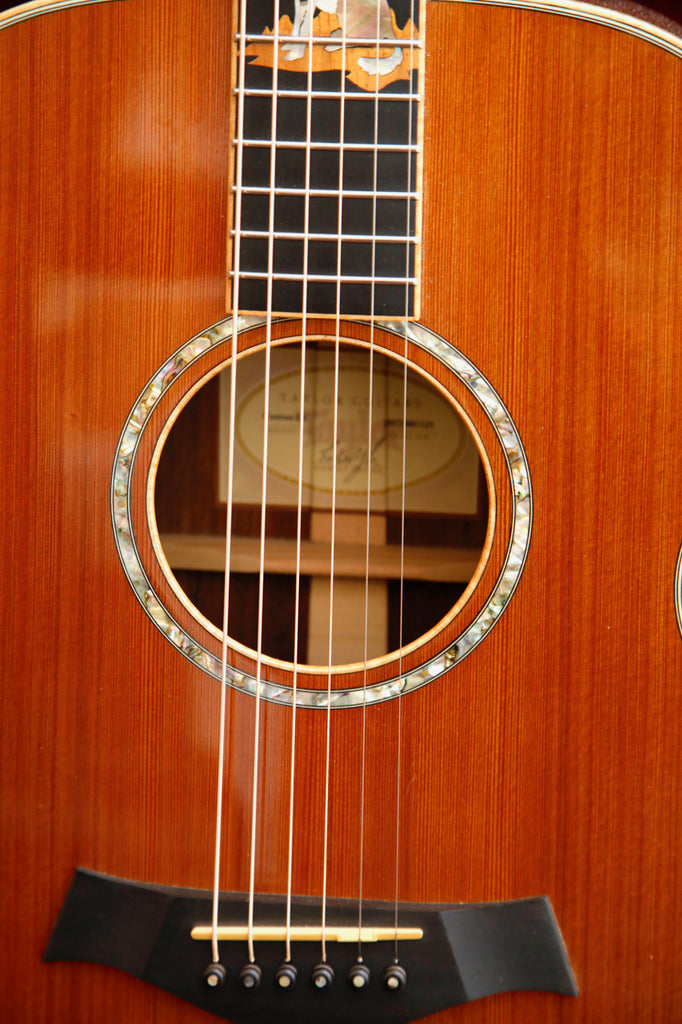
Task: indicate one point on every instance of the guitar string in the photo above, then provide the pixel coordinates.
(264, 490)
(299, 498)
(370, 431)
(264, 485)
(236, 262)
(398, 799)
(335, 431)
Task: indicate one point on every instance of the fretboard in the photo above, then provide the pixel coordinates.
(326, 177)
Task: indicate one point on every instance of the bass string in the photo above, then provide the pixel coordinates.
(264, 479)
(299, 499)
(236, 263)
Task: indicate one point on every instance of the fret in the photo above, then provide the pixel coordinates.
(354, 147)
(388, 217)
(327, 298)
(361, 172)
(254, 37)
(331, 193)
(347, 97)
(317, 237)
(254, 275)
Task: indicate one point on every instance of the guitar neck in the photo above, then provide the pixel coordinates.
(326, 166)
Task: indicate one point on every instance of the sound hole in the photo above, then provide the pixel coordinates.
(434, 543)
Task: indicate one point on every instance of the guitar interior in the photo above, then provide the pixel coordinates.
(433, 530)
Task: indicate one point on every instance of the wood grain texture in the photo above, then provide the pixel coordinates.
(549, 761)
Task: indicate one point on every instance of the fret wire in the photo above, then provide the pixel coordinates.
(254, 275)
(262, 190)
(361, 147)
(301, 94)
(317, 237)
(410, 44)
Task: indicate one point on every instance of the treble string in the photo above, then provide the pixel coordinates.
(398, 803)
(335, 433)
(370, 430)
(236, 262)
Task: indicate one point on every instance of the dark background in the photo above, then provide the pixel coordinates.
(670, 7)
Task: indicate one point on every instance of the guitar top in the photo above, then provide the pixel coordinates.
(436, 754)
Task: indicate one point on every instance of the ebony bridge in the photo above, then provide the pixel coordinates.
(466, 951)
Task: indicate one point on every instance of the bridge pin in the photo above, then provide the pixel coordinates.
(286, 976)
(214, 975)
(395, 978)
(322, 976)
(250, 976)
(358, 975)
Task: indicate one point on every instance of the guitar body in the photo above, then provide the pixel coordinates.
(548, 761)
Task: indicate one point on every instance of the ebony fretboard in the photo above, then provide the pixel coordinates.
(363, 161)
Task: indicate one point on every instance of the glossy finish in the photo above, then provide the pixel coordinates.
(548, 761)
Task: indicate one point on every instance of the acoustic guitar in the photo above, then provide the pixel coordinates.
(342, 589)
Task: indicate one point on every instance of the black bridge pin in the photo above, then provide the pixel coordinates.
(214, 975)
(322, 976)
(395, 978)
(286, 975)
(250, 976)
(358, 975)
